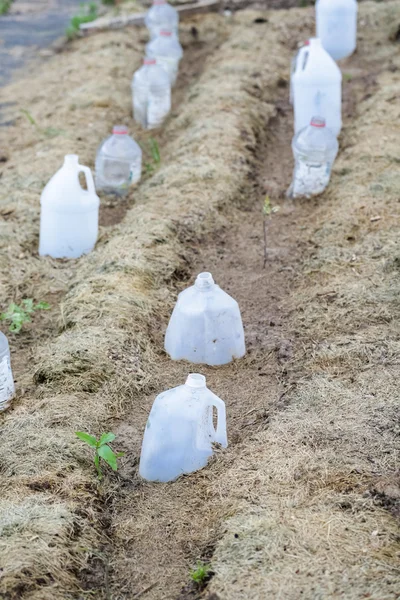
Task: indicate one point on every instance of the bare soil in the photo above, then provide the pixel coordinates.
(305, 501)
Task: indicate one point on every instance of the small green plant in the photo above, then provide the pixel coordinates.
(48, 131)
(155, 155)
(102, 450)
(268, 211)
(5, 6)
(17, 315)
(347, 76)
(201, 573)
(87, 13)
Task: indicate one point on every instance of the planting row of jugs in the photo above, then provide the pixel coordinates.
(316, 95)
(205, 326)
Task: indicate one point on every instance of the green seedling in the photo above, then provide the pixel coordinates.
(268, 211)
(48, 131)
(5, 6)
(87, 13)
(201, 573)
(17, 315)
(102, 450)
(155, 151)
(347, 76)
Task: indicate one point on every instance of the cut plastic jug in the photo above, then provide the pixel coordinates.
(151, 91)
(337, 26)
(205, 326)
(317, 88)
(167, 52)
(118, 162)
(69, 214)
(7, 388)
(314, 148)
(180, 431)
(160, 16)
(295, 64)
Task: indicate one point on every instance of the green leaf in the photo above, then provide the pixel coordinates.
(106, 438)
(119, 454)
(28, 116)
(42, 306)
(155, 151)
(85, 437)
(27, 303)
(108, 455)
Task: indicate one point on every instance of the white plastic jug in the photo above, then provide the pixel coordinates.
(160, 16)
(69, 214)
(206, 325)
(151, 94)
(167, 52)
(337, 26)
(180, 431)
(7, 388)
(317, 88)
(295, 62)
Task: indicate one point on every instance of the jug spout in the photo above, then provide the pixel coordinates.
(195, 380)
(71, 160)
(204, 281)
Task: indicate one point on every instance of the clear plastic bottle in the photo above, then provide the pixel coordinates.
(180, 431)
(161, 16)
(7, 388)
(206, 325)
(118, 162)
(337, 26)
(69, 216)
(167, 51)
(314, 148)
(151, 90)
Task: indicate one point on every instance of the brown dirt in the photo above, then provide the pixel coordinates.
(310, 475)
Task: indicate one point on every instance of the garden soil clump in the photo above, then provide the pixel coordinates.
(305, 498)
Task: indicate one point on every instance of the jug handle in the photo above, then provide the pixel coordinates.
(89, 178)
(219, 435)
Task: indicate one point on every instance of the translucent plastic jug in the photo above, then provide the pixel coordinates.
(69, 214)
(167, 51)
(314, 148)
(296, 61)
(160, 16)
(206, 325)
(317, 88)
(337, 26)
(7, 388)
(118, 162)
(180, 431)
(151, 90)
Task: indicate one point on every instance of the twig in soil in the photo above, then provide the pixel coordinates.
(143, 592)
(268, 211)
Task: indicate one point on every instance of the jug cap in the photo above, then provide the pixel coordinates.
(195, 380)
(316, 41)
(204, 280)
(165, 32)
(120, 130)
(318, 122)
(149, 61)
(71, 159)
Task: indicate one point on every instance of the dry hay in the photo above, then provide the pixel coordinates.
(99, 359)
